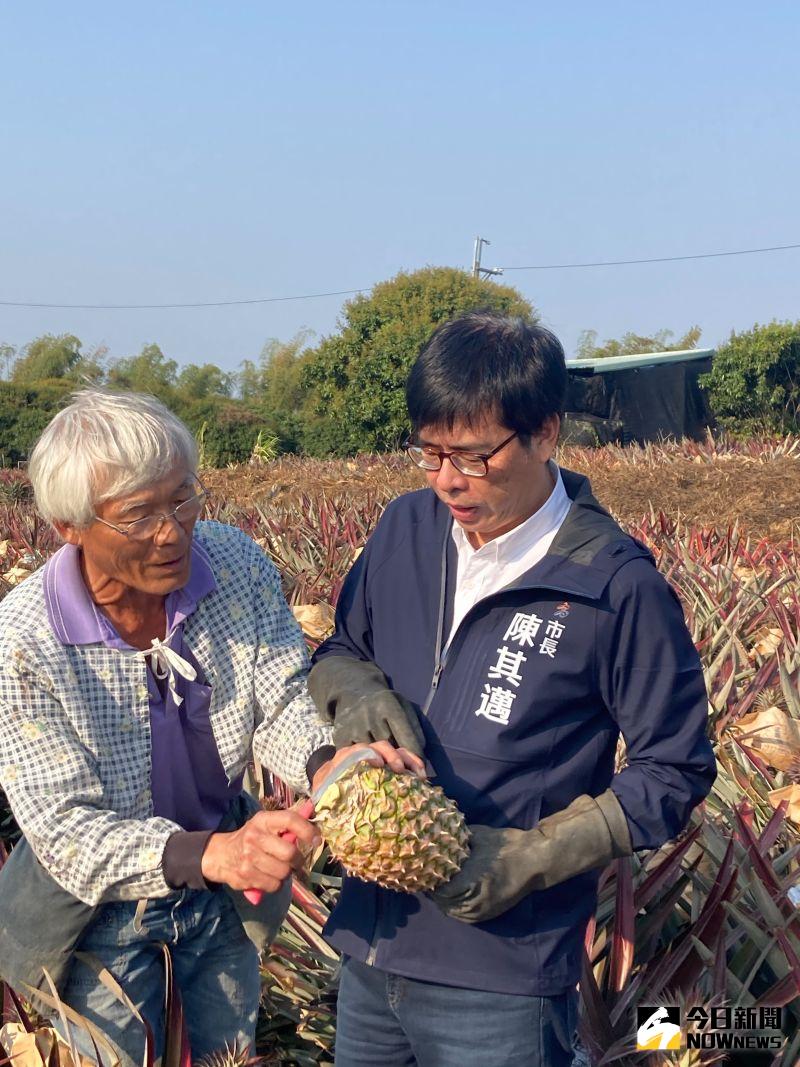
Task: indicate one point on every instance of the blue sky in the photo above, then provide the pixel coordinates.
(172, 152)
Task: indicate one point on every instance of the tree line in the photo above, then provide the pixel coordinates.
(346, 393)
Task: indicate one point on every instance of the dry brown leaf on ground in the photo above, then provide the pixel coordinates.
(771, 734)
(791, 794)
(316, 620)
(16, 575)
(767, 642)
(749, 574)
(35, 1049)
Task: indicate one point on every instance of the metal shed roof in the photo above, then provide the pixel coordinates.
(644, 359)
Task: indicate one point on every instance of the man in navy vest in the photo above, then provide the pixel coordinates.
(502, 625)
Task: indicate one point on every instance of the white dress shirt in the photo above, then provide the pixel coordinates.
(483, 571)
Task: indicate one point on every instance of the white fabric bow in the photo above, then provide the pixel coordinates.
(167, 663)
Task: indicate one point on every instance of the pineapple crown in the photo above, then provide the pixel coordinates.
(234, 1055)
(770, 697)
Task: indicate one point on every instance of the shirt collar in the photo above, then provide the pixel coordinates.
(75, 618)
(515, 543)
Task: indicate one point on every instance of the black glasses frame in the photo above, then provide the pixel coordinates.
(417, 457)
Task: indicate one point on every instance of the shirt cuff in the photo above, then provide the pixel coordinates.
(181, 860)
(316, 759)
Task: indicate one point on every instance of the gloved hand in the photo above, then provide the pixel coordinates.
(504, 865)
(356, 696)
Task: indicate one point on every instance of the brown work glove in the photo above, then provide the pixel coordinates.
(505, 865)
(356, 696)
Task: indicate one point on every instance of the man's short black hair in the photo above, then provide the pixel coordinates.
(487, 364)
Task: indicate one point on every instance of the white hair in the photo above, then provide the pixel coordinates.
(105, 444)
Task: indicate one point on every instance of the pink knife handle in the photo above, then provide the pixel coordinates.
(304, 810)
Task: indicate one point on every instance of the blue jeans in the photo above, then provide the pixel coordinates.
(384, 1020)
(215, 966)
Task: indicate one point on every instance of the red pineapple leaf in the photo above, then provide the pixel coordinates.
(771, 832)
(760, 766)
(588, 940)
(780, 994)
(708, 927)
(650, 927)
(176, 1041)
(669, 970)
(622, 943)
(13, 1010)
(660, 875)
(719, 978)
(308, 902)
(762, 868)
(598, 1031)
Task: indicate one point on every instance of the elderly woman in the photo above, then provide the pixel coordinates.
(139, 668)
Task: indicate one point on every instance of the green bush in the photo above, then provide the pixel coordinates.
(754, 383)
(354, 381)
(25, 410)
(231, 428)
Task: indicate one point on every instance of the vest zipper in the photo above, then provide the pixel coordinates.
(437, 672)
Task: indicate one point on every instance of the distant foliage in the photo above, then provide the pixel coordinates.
(149, 372)
(754, 382)
(44, 373)
(53, 357)
(356, 378)
(346, 395)
(201, 382)
(274, 387)
(24, 413)
(631, 344)
(231, 428)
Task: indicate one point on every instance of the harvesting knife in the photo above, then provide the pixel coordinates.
(304, 809)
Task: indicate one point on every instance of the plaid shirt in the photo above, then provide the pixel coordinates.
(75, 720)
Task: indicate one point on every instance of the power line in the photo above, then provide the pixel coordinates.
(352, 292)
(659, 259)
(158, 307)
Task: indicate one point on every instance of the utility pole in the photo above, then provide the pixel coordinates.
(477, 269)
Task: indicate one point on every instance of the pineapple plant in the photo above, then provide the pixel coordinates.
(709, 918)
(229, 1056)
(394, 829)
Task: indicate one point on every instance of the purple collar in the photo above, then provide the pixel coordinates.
(76, 619)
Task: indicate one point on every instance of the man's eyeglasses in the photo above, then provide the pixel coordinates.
(146, 528)
(473, 464)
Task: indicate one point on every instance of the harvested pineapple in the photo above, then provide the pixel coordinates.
(393, 829)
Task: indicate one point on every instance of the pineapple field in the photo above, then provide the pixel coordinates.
(709, 920)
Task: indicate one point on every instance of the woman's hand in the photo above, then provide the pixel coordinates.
(398, 759)
(256, 857)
